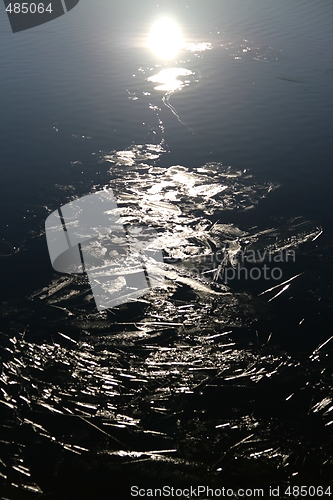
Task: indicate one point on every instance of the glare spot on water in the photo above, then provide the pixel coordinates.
(165, 38)
(169, 79)
(199, 46)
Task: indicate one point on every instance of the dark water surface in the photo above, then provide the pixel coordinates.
(224, 148)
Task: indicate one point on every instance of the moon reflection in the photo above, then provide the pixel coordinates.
(165, 38)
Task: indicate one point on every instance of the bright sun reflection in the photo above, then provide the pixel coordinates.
(165, 38)
(168, 78)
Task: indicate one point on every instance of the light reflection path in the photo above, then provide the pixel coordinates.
(171, 83)
(166, 101)
(140, 379)
(170, 80)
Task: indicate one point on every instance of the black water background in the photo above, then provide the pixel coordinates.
(72, 76)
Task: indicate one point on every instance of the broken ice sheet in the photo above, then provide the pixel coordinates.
(123, 266)
(183, 206)
(134, 155)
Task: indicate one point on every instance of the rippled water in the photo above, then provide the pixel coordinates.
(224, 151)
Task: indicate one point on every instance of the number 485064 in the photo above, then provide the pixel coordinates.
(307, 491)
(28, 8)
